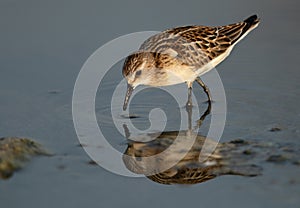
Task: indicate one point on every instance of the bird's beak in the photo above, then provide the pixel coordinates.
(128, 94)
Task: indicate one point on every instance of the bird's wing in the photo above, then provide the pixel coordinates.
(195, 45)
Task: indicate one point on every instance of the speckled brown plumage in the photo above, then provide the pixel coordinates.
(197, 45)
(182, 54)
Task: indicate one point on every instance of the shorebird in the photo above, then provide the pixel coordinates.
(183, 54)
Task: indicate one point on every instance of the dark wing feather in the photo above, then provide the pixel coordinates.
(197, 45)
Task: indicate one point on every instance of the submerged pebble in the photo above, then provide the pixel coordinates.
(277, 159)
(92, 162)
(130, 116)
(238, 141)
(54, 91)
(275, 129)
(248, 152)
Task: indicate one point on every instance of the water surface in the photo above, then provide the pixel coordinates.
(43, 47)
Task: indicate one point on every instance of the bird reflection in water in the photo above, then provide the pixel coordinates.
(189, 167)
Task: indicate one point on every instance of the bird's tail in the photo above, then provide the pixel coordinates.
(251, 23)
(248, 24)
(236, 32)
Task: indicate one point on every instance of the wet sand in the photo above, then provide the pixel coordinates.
(43, 47)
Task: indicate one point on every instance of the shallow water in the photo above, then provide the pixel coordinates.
(43, 47)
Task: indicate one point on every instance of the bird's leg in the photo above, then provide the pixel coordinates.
(126, 131)
(207, 92)
(207, 112)
(189, 103)
(205, 88)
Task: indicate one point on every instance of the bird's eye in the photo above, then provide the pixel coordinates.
(138, 73)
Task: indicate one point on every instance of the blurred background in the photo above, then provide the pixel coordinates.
(43, 47)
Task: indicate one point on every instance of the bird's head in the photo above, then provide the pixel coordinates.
(137, 71)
